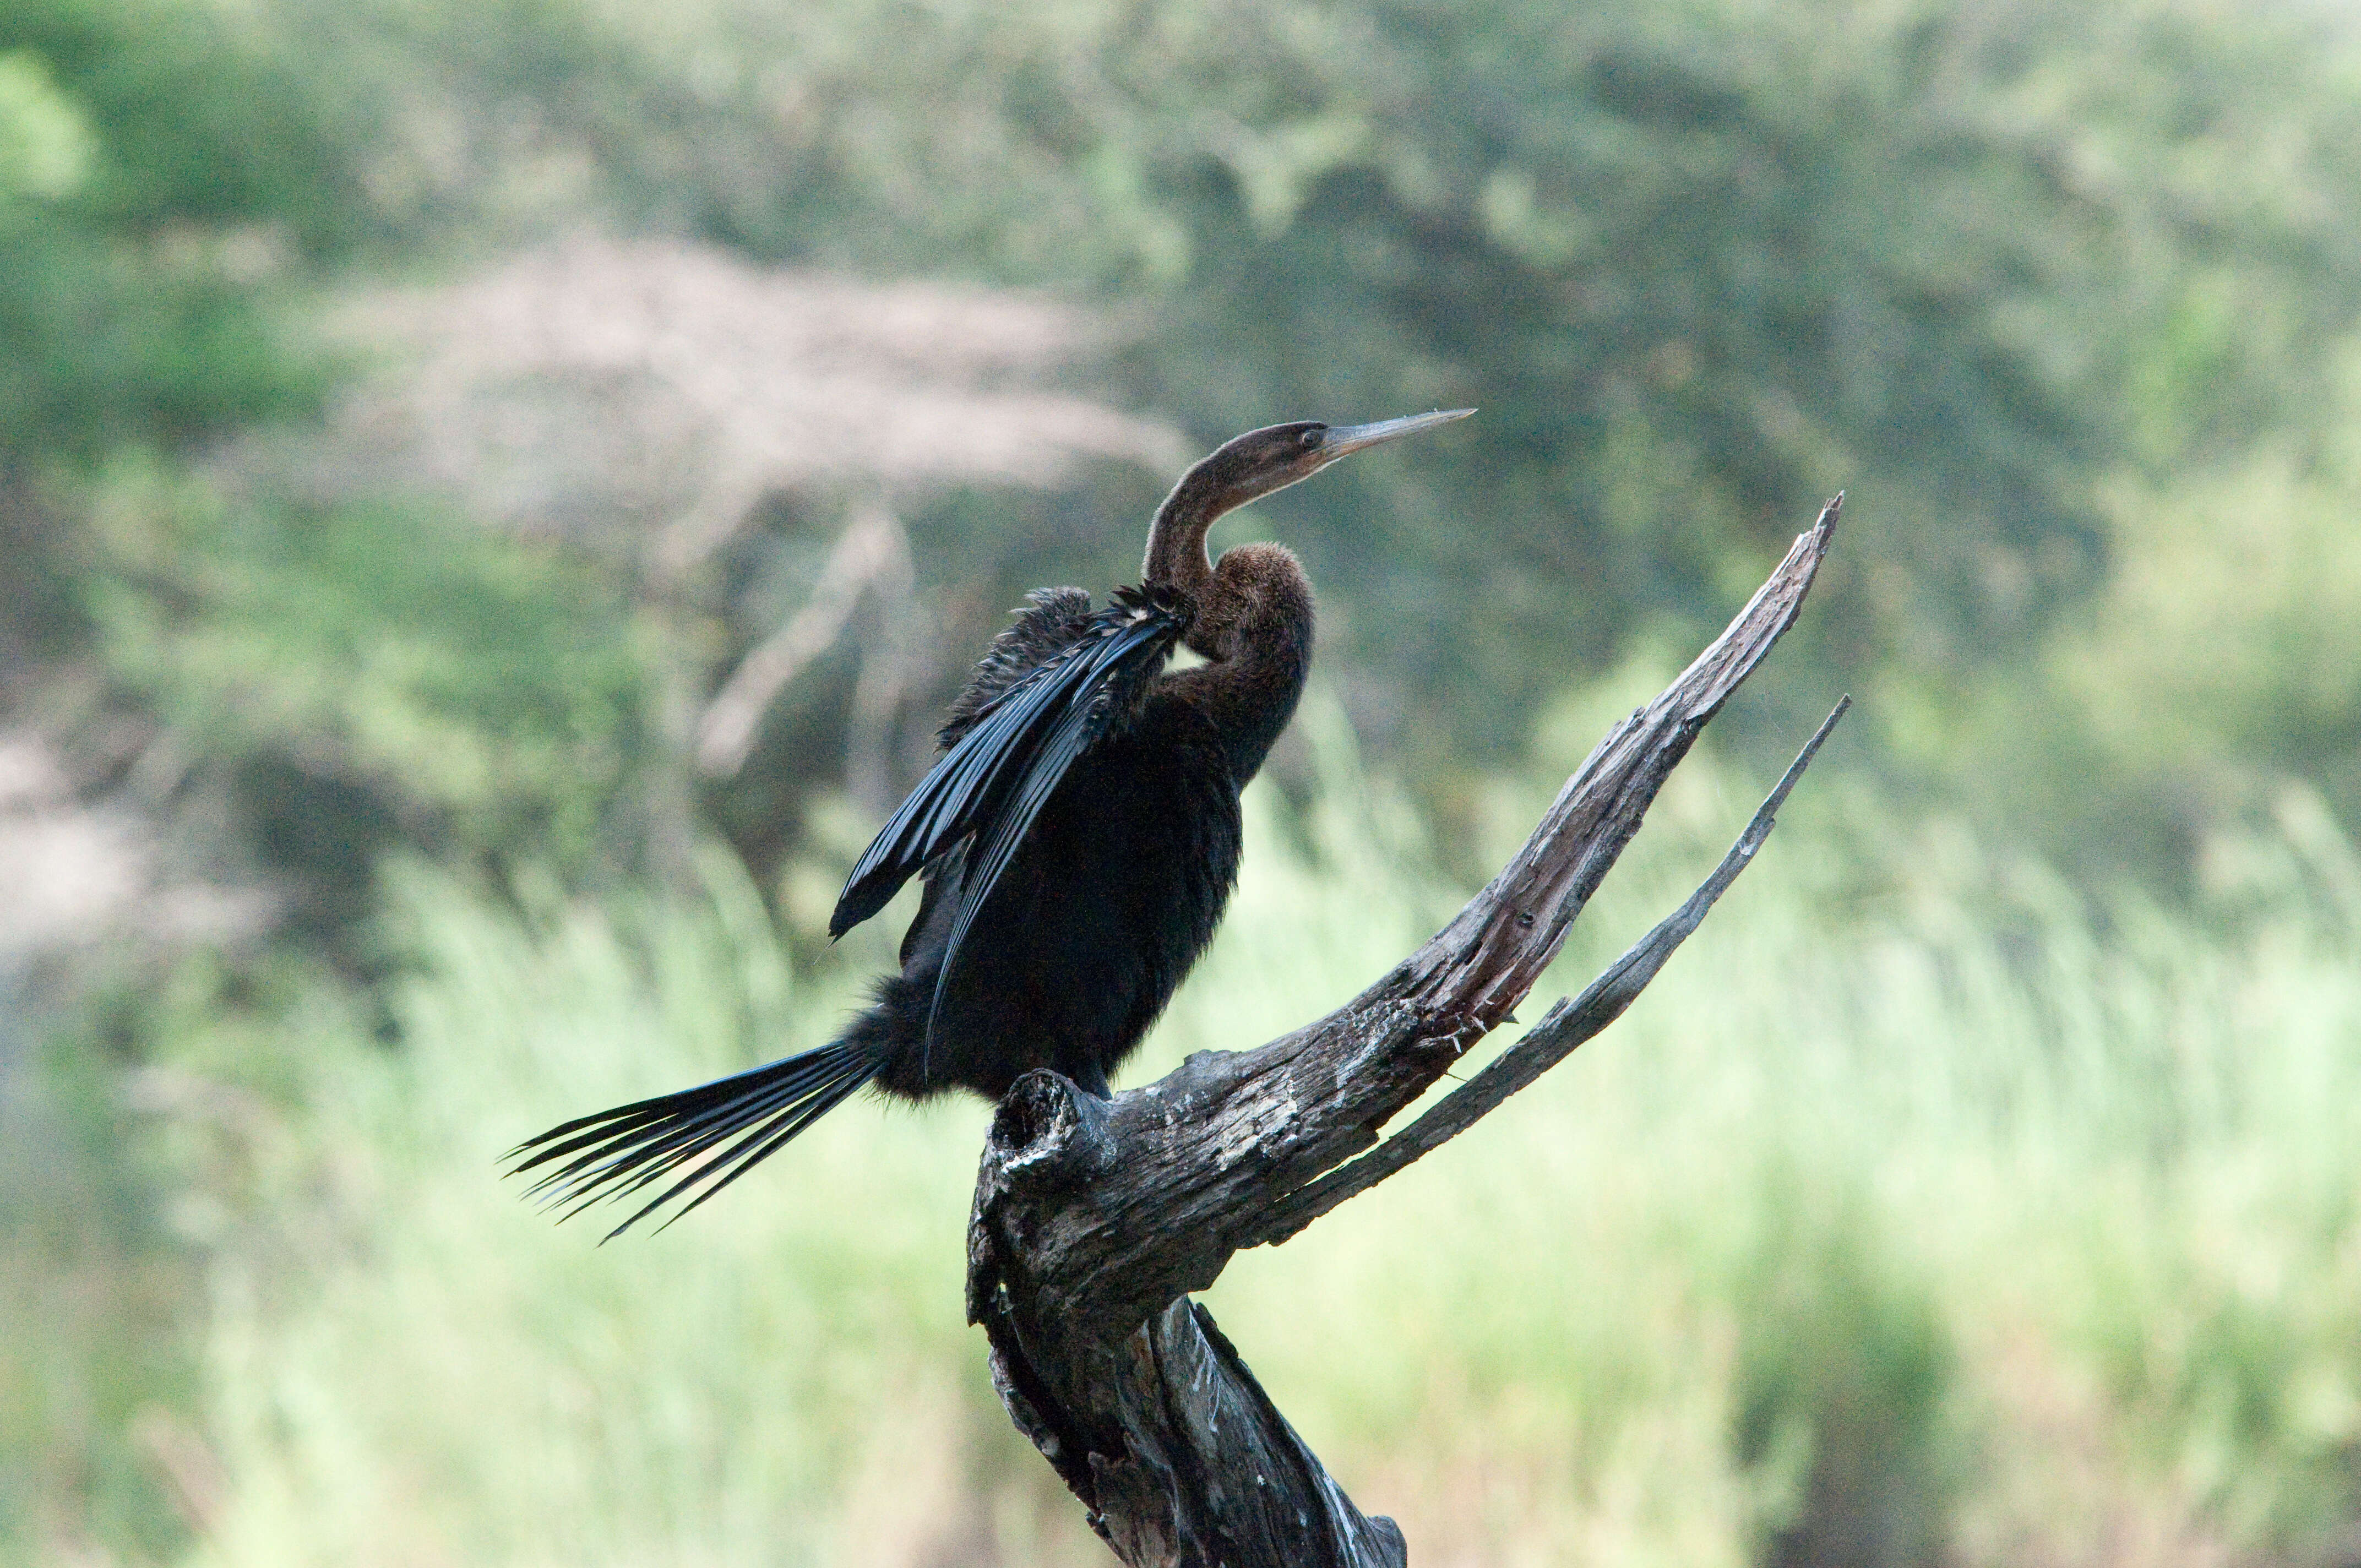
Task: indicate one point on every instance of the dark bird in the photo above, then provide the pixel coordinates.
(1077, 839)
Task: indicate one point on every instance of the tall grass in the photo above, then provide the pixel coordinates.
(1919, 1213)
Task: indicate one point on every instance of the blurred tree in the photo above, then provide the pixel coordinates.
(1701, 264)
(159, 177)
(2226, 653)
(295, 685)
(367, 674)
(157, 172)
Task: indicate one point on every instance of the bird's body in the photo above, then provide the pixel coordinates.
(1115, 891)
(1077, 841)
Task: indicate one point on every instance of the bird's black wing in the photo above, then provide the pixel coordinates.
(1140, 637)
(1053, 620)
(1011, 752)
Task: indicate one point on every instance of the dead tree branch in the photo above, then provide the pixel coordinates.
(1569, 1022)
(1093, 1219)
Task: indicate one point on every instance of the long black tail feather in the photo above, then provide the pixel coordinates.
(711, 1135)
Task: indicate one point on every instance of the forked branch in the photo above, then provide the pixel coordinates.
(1094, 1219)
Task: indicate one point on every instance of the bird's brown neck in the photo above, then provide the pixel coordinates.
(1253, 617)
(1176, 540)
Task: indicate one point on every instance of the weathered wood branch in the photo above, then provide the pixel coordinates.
(1569, 1022)
(1094, 1219)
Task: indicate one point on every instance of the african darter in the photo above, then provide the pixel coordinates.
(1076, 839)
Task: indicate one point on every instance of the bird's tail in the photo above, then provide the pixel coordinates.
(711, 1135)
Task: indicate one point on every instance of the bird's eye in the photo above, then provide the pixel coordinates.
(1309, 438)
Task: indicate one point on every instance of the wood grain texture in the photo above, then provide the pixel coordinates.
(1094, 1219)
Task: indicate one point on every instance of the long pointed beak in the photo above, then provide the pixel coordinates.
(1344, 440)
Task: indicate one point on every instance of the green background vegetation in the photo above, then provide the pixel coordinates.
(1995, 1204)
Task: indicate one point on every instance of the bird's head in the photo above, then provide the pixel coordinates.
(1252, 466)
(1247, 468)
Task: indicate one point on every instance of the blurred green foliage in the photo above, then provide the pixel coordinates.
(483, 694)
(1947, 1225)
(2011, 277)
(158, 168)
(97, 1297)
(338, 680)
(2064, 295)
(1701, 266)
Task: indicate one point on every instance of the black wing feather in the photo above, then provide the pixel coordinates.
(1052, 620)
(1013, 749)
(1132, 657)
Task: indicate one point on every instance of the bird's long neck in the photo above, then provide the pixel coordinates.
(1252, 623)
(1176, 540)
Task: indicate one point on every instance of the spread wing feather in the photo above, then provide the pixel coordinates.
(1052, 620)
(1010, 755)
(1135, 653)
